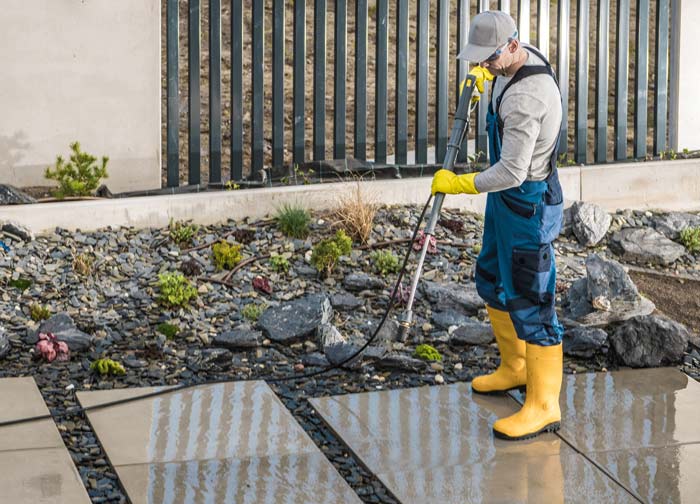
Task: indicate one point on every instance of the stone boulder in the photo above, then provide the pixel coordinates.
(650, 341)
(4, 343)
(589, 222)
(63, 327)
(472, 332)
(346, 302)
(447, 319)
(20, 231)
(242, 336)
(645, 245)
(10, 195)
(362, 281)
(671, 224)
(585, 341)
(460, 298)
(296, 320)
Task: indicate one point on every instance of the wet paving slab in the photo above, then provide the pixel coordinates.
(233, 442)
(434, 444)
(35, 466)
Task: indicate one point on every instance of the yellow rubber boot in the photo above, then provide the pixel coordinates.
(512, 371)
(541, 412)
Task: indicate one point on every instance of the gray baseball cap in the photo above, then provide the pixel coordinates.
(488, 31)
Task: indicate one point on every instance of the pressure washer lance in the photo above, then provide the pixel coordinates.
(467, 103)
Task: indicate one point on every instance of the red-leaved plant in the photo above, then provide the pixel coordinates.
(401, 295)
(420, 240)
(50, 348)
(262, 284)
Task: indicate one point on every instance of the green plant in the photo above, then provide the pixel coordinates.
(690, 238)
(175, 289)
(231, 186)
(80, 176)
(293, 221)
(476, 248)
(226, 255)
(279, 263)
(252, 311)
(107, 367)
(181, 232)
(168, 330)
(20, 283)
(385, 262)
(564, 160)
(427, 352)
(326, 253)
(39, 313)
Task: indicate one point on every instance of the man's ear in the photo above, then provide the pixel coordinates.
(513, 46)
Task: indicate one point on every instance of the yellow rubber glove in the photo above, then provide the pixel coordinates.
(482, 74)
(447, 182)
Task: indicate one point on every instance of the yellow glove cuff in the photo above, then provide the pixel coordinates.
(447, 182)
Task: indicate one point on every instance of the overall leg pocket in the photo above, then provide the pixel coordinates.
(531, 271)
(550, 225)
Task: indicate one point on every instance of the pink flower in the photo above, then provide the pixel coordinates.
(50, 348)
(420, 240)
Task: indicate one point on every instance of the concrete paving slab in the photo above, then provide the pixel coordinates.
(434, 444)
(21, 398)
(629, 409)
(659, 475)
(233, 440)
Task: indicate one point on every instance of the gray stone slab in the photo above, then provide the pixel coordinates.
(435, 444)
(232, 439)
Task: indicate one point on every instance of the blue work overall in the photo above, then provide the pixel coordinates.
(515, 271)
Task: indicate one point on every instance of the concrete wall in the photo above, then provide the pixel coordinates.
(688, 107)
(86, 70)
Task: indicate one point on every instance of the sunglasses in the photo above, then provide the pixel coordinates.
(500, 50)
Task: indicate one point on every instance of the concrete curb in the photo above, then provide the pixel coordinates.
(670, 185)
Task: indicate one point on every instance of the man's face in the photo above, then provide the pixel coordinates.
(501, 59)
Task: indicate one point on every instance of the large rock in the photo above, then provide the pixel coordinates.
(608, 281)
(63, 327)
(650, 341)
(589, 222)
(584, 341)
(240, 337)
(671, 224)
(402, 362)
(472, 332)
(362, 281)
(447, 319)
(461, 298)
(20, 231)
(297, 319)
(645, 245)
(4, 343)
(337, 348)
(10, 195)
(345, 302)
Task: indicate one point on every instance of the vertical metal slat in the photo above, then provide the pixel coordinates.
(524, 20)
(214, 91)
(543, 27)
(278, 84)
(194, 100)
(360, 142)
(380, 114)
(173, 101)
(563, 70)
(580, 144)
(236, 90)
(481, 134)
(601, 109)
(258, 92)
(674, 70)
(661, 77)
(422, 82)
(621, 78)
(339, 114)
(463, 66)
(641, 79)
(401, 82)
(504, 5)
(299, 76)
(441, 85)
(319, 79)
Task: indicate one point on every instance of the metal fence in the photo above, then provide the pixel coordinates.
(623, 120)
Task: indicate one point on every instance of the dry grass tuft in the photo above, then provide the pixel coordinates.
(355, 212)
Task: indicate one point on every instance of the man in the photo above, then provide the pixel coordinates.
(515, 271)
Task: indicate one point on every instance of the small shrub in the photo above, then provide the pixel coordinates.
(80, 176)
(427, 352)
(293, 221)
(39, 313)
(355, 212)
(83, 264)
(21, 283)
(182, 232)
(175, 290)
(279, 264)
(385, 262)
(252, 311)
(231, 186)
(168, 330)
(690, 238)
(107, 367)
(226, 255)
(50, 348)
(326, 253)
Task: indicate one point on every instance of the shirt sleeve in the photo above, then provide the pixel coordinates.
(522, 119)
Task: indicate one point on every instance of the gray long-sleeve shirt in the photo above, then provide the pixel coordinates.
(531, 112)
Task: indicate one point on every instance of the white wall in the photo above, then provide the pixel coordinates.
(86, 70)
(688, 96)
